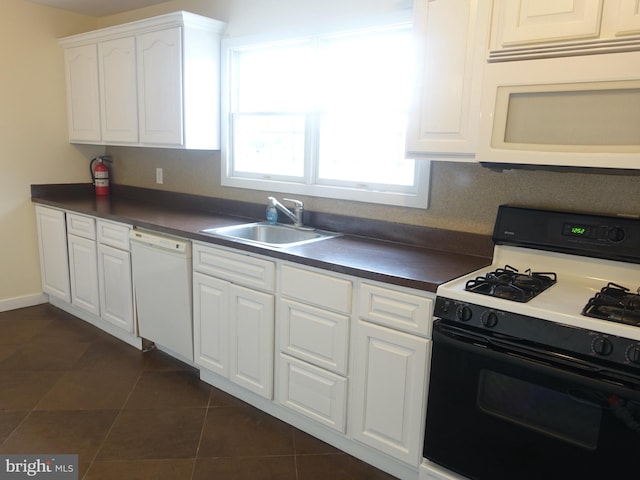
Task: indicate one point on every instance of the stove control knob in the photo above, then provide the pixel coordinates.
(489, 318)
(463, 313)
(601, 346)
(616, 234)
(633, 354)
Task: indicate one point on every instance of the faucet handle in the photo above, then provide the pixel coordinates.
(297, 203)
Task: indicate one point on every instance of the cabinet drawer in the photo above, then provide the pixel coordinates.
(81, 225)
(317, 288)
(395, 309)
(113, 234)
(314, 335)
(234, 267)
(313, 392)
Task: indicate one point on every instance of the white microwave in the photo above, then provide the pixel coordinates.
(579, 111)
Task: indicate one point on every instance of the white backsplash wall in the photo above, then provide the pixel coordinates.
(464, 196)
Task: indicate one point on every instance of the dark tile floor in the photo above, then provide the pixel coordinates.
(67, 387)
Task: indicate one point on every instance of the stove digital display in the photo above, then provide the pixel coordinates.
(576, 230)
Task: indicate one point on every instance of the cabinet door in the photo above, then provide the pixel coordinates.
(116, 289)
(210, 323)
(627, 18)
(160, 87)
(313, 392)
(452, 41)
(388, 405)
(118, 97)
(522, 22)
(54, 258)
(83, 104)
(83, 270)
(251, 339)
(315, 335)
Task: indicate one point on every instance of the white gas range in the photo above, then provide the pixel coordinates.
(536, 358)
(576, 256)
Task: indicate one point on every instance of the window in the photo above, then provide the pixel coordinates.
(323, 116)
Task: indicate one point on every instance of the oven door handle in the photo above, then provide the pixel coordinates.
(571, 369)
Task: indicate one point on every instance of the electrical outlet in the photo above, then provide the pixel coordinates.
(159, 175)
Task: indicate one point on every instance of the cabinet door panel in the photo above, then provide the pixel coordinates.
(83, 104)
(314, 335)
(628, 18)
(252, 339)
(160, 87)
(116, 299)
(524, 22)
(313, 392)
(389, 391)
(54, 256)
(83, 270)
(211, 320)
(118, 98)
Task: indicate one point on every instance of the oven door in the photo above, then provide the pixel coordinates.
(498, 409)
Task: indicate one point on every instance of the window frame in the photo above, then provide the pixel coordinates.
(416, 196)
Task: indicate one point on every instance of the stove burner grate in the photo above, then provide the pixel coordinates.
(508, 283)
(615, 303)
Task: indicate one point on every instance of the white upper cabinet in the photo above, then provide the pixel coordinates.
(118, 93)
(153, 82)
(452, 44)
(83, 97)
(160, 87)
(526, 28)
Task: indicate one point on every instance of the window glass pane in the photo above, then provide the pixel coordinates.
(366, 72)
(364, 96)
(364, 148)
(274, 79)
(269, 144)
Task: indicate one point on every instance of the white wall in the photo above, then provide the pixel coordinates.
(33, 135)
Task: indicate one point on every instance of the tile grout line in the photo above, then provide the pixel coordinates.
(204, 422)
(115, 419)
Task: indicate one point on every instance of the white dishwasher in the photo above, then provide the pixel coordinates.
(162, 284)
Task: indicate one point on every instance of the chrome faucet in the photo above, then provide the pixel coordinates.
(298, 209)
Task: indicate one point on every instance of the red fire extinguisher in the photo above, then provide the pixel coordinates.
(100, 175)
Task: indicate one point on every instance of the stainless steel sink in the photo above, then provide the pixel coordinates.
(271, 235)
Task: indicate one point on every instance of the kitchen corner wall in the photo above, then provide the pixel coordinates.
(464, 196)
(34, 146)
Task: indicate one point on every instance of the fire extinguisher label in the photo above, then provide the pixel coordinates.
(102, 182)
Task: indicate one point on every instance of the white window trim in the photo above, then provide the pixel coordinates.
(414, 199)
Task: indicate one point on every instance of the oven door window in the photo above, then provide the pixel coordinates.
(571, 418)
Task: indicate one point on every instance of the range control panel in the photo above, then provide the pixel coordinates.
(543, 333)
(613, 238)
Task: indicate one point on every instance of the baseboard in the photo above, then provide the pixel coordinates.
(22, 302)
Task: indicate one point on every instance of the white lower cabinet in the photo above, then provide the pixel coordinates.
(211, 323)
(54, 256)
(251, 328)
(116, 300)
(314, 317)
(389, 383)
(83, 269)
(83, 262)
(233, 306)
(114, 275)
(86, 266)
(388, 406)
(313, 392)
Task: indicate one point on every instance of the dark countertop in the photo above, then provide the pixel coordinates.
(415, 257)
